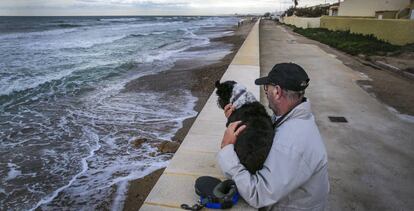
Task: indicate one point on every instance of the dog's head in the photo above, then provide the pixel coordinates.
(224, 92)
(234, 93)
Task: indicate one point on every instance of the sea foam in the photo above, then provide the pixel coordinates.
(65, 112)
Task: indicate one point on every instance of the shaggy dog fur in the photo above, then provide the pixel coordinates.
(254, 143)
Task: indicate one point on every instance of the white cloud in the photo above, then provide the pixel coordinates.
(145, 7)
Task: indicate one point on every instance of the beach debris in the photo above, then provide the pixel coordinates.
(168, 146)
(137, 143)
(152, 154)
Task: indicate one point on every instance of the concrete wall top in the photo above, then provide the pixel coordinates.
(248, 53)
(303, 22)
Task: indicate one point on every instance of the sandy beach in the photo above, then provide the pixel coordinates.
(199, 77)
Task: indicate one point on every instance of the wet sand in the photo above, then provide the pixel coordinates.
(198, 76)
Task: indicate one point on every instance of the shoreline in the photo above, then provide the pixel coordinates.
(201, 83)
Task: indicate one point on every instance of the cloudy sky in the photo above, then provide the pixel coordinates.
(146, 7)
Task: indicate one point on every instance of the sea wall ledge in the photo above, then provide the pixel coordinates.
(197, 154)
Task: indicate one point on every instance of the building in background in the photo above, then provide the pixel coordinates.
(333, 9)
(381, 9)
(388, 20)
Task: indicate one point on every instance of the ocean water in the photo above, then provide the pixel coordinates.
(66, 122)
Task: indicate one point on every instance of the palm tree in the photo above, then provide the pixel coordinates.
(295, 2)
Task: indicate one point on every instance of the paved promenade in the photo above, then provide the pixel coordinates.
(371, 157)
(197, 154)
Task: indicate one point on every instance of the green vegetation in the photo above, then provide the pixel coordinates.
(307, 11)
(353, 44)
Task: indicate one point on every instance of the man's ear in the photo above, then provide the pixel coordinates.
(278, 91)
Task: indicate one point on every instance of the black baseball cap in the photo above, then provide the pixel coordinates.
(289, 76)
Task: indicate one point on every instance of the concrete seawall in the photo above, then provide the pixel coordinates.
(197, 154)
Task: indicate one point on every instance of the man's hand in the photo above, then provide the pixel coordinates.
(228, 110)
(230, 135)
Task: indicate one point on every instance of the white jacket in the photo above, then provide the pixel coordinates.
(295, 173)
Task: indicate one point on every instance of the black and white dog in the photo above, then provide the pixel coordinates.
(254, 143)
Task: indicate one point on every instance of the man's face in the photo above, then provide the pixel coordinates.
(271, 93)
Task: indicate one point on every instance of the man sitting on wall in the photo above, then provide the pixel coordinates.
(295, 173)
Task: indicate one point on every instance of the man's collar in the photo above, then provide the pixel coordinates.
(281, 119)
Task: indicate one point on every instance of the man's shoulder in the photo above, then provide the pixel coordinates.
(300, 136)
(298, 127)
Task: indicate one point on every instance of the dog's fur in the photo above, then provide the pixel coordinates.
(254, 143)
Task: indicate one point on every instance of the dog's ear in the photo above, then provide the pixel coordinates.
(217, 84)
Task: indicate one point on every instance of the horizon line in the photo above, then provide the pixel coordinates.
(126, 15)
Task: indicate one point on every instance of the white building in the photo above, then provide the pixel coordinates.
(372, 8)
